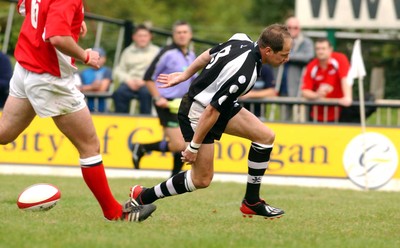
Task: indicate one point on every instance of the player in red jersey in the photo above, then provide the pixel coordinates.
(43, 84)
(326, 77)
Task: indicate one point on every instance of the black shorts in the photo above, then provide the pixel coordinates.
(189, 114)
(167, 119)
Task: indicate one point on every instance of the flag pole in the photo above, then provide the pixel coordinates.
(363, 124)
(360, 74)
(357, 71)
(362, 104)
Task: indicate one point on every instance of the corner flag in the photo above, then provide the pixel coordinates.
(357, 68)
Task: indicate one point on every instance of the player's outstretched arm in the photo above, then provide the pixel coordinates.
(68, 46)
(175, 78)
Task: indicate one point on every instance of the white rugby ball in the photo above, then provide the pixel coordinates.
(41, 196)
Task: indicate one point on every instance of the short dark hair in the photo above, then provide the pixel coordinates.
(274, 36)
(180, 23)
(322, 40)
(140, 27)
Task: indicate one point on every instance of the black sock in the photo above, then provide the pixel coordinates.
(178, 184)
(258, 158)
(161, 146)
(178, 164)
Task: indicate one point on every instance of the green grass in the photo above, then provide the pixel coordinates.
(315, 217)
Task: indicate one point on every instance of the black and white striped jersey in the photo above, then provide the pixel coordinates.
(232, 72)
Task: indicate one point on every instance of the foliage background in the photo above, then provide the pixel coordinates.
(214, 20)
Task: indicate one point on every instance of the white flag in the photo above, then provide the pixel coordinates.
(357, 68)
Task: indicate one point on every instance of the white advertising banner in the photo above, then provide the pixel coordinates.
(365, 14)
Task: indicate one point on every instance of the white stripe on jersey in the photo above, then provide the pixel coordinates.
(240, 36)
(252, 80)
(225, 74)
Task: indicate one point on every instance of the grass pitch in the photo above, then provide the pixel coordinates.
(315, 217)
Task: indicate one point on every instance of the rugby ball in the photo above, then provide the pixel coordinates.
(39, 197)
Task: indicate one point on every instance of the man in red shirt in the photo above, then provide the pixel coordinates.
(326, 77)
(43, 84)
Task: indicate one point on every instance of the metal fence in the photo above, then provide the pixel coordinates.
(377, 113)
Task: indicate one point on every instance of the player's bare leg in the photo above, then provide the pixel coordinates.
(200, 176)
(16, 117)
(203, 168)
(246, 125)
(176, 144)
(80, 130)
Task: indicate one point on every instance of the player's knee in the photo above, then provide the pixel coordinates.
(203, 182)
(270, 137)
(88, 149)
(266, 137)
(6, 139)
(176, 146)
(4, 142)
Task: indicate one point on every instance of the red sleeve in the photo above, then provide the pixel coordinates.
(344, 64)
(307, 79)
(59, 18)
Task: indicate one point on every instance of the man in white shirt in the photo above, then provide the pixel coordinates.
(130, 71)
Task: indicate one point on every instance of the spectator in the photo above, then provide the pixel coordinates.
(96, 80)
(5, 76)
(325, 77)
(130, 71)
(302, 52)
(263, 87)
(173, 58)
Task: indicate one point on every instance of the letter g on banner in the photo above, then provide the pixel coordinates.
(370, 160)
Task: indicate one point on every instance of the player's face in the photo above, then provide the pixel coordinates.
(280, 57)
(182, 35)
(323, 50)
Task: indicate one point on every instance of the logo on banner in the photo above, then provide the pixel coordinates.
(370, 160)
(364, 14)
(372, 7)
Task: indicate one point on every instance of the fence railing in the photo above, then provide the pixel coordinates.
(378, 113)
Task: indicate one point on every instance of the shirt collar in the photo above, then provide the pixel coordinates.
(257, 54)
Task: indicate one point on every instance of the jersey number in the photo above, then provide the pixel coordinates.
(35, 13)
(221, 53)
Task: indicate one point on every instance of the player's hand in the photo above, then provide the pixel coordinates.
(168, 80)
(188, 157)
(83, 30)
(93, 59)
